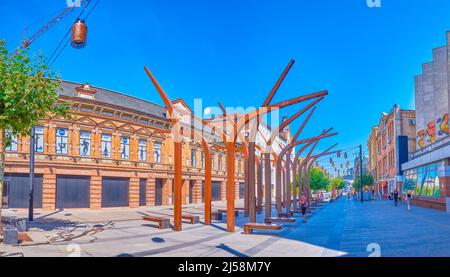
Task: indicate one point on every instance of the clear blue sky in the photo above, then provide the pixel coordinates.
(234, 51)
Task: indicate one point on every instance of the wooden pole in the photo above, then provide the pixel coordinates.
(230, 145)
(260, 186)
(178, 186)
(251, 183)
(268, 185)
(288, 183)
(208, 182)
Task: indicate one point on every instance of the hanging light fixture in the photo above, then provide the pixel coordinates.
(79, 34)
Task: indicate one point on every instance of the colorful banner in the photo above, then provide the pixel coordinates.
(434, 131)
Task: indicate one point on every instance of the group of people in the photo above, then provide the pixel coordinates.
(407, 198)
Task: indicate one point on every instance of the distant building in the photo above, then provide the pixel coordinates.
(391, 143)
(427, 174)
(373, 154)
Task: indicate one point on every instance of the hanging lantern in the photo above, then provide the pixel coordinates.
(345, 155)
(331, 161)
(317, 164)
(338, 154)
(342, 166)
(79, 34)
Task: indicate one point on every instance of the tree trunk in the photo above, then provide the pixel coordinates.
(2, 175)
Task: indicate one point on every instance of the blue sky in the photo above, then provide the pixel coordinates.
(233, 51)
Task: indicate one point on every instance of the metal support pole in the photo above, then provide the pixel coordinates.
(361, 172)
(31, 195)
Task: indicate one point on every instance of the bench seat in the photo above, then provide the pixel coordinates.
(163, 222)
(249, 227)
(279, 220)
(193, 219)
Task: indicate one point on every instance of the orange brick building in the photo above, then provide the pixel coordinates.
(115, 151)
(392, 143)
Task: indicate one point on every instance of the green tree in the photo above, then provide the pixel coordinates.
(319, 180)
(337, 183)
(28, 93)
(367, 181)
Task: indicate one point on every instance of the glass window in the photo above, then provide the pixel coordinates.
(39, 133)
(212, 161)
(106, 146)
(142, 150)
(61, 141)
(203, 160)
(85, 143)
(423, 181)
(193, 157)
(125, 148)
(219, 164)
(157, 153)
(13, 143)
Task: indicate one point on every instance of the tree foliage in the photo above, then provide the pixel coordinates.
(367, 181)
(319, 180)
(28, 93)
(337, 183)
(28, 90)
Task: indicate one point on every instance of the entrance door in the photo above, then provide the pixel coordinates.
(158, 192)
(72, 192)
(17, 187)
(216, 191)
(191, 191)
(203, 191)
(115, 192)
(241, 190)
(143, 192)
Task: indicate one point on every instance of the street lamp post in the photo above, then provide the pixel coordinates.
(361, 173)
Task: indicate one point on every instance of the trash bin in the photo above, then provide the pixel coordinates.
(10, 236)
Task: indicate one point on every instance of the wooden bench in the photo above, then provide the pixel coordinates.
(163, 222)
(224, 211)
(286, 214)
(249, 227)
(271, 220)
(193, 219)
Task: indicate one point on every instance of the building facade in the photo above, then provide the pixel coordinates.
(427, 174)
(395, 143)
(373, 155)
(114, 151)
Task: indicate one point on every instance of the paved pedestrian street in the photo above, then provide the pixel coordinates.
(344, 228)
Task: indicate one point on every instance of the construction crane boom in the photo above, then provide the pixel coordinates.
(26, 42)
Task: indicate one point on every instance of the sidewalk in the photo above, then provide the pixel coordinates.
(340, 229)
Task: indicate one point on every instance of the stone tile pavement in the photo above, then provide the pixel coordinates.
(343, 228)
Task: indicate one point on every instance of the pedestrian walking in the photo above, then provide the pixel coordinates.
(396, 197)
(303, 205)
(408, 199)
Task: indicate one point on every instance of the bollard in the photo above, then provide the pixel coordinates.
(10, 236)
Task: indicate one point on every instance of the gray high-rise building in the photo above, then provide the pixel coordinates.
(427, 174)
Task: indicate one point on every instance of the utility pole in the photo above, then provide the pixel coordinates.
(361, 173)
(32, 150)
